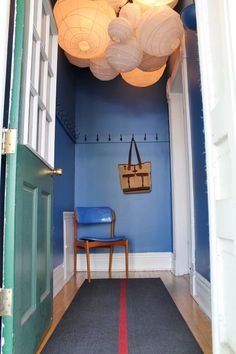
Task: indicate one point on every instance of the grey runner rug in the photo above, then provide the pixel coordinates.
(117, 316)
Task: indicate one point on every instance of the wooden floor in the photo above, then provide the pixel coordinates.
(178, 288)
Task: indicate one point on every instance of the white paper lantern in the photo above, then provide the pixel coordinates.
(82, 26)
(140, 78)
(119, 30)
(106, 7)
(81, 63)
(151, 63)
(160, 31)
(116, 3)
(102, 70)
(131, 13)
(173, 3)
(124, 56)
(145, 4)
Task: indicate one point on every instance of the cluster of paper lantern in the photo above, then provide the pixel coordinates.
(114, 37)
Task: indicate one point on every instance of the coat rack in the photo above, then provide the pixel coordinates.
(121, 138)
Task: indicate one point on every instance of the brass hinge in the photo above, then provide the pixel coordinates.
(5, 302)
(8, 141)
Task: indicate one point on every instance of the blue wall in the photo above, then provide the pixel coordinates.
(63, 188)
(199, 162)
(66, 88)
(64, 152)
(116, 108)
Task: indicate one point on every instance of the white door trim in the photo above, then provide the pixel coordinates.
(190, 167)
(203, 293)
(68, 237)
(4, 26)
(219, 125)
(182, 179)
(64, 271)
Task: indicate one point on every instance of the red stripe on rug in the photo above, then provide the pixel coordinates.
(123, 336)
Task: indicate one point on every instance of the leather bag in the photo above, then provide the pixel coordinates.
(135, 178)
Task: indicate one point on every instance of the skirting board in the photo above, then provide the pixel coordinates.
(137, 261)
(58, 279)
(203, 293)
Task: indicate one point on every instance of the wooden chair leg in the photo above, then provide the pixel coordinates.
(88, 260)
(110, 260)
(75, 260)
(127, 258)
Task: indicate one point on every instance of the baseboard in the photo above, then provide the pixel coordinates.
(58, 279)
(203, 293)
(68, 236)
(137, 261)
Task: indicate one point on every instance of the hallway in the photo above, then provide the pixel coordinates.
(185, 126)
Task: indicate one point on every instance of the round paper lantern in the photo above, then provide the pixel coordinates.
(145, 4)
(140, 78)
(160, 31)
(102, 70)
(82, 26)
(119, 30)
(106, 7)
(116, 3)
(81, 63)
(173, 3)
(124, 56)
(150, 63)
(131, 13)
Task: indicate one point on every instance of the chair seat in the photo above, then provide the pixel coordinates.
(103, 239)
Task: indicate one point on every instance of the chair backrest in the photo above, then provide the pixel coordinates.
(94, 215)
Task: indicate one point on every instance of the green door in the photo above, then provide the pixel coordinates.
(29, 182)
(33, 266)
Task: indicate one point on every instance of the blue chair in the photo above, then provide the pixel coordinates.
(93, 216)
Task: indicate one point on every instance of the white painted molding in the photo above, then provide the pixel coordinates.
(192, 279)
(180, 179)
(63, 273)
(181, 165)
(202, 293)
(68, 237)
(186, 107)
(137, 261)
(175, 60)
(58, 279)
(173, 265)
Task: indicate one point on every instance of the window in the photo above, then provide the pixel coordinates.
(39, 80)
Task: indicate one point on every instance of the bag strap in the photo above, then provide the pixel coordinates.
(137, 154)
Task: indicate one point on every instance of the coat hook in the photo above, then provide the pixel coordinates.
(97, 138)
(156, 136)
(109, 137)
(121, 137)
(85, 137)
(145, 137)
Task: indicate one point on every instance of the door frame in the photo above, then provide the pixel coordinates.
(180, 141)
(4, 27)
(203, 13)
(14, 112)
